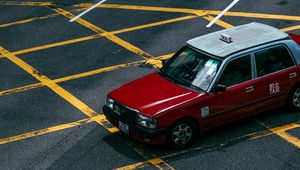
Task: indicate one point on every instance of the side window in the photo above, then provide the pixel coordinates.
(271, 60)
(237, 71)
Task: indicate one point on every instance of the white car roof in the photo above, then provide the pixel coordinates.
(243, 37)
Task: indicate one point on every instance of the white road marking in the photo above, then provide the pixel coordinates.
(222, 13)
(86, 11)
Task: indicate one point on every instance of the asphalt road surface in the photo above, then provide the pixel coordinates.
(55, 76)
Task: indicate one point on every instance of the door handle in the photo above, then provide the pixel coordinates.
(249, 89)
(292, 75)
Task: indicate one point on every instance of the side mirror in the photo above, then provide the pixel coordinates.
(220, 88)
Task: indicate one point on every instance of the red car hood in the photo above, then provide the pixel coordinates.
(152, 94)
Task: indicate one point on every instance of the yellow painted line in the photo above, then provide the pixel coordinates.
(218, 22)
(154, 24)
(35, 19)
(289, 138)
(257, 15)
(55, 87)
(155, 62)
(251, 136)
(292, 28)
(142, 8)
(107, 35)
(134, 166)
(65, 95)
(28, 20)
(157, 162)
(43, 47)
(194, 11)
(20, 89)
(47, 130)
(20, 3)
(281, 132)
(284, 128)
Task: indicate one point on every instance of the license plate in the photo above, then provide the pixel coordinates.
(124, 127)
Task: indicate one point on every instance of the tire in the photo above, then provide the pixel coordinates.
(294, 99)
(182, 134)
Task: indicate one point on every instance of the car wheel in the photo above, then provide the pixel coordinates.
(182, 134)
(294, 99)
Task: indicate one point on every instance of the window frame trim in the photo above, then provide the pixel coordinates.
(235, 58)
(269, 47)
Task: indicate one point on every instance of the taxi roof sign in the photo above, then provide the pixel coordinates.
(226, 38)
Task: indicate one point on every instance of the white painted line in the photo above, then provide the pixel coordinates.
(222, 13)
(86, 11)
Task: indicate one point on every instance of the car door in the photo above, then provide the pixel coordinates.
(236, 101)
(276, 75)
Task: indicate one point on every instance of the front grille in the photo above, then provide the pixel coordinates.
(126, 114)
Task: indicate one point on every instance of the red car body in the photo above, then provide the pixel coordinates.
(158, 98)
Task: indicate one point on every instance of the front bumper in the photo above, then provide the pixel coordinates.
(140, 133)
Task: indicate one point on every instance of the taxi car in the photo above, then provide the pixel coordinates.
(215, 79)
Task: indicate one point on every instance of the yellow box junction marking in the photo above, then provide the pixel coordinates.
(156, 61)
(54, 87)
(291, 28)
(48, 130)
(86, 38)
(165, 9)
(26, 3)
(218, 22)
(210, 147)
(107, 35)
(281, 132)
(36, 19)
(67, 96)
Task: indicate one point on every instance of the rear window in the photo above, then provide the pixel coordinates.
(272, 60)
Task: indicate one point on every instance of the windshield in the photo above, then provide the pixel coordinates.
(191, 68)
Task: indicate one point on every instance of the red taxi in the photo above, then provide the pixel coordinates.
(215, 79)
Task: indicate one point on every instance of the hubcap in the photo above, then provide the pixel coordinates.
(182, 134)
(296, 98)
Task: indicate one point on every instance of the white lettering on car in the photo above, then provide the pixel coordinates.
(274, 88)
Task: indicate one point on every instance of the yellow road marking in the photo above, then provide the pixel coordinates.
(26, 3)
(194, 11)
(28, 20)
(251, 136)
(291, 28)
(48, 130)
(65, 95)
(100, 35)
(289, 138)
(281, 132)
(35, 19)
(218, 22)
(55, 87)
(143, 8)
(166, 9)
(257, 15)
(107, 35)
(156, 61)
(157, 162)
(201, 13)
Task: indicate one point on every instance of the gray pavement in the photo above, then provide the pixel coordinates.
(56, 143)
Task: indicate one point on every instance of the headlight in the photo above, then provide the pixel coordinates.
(109, 102)
(146, 121)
